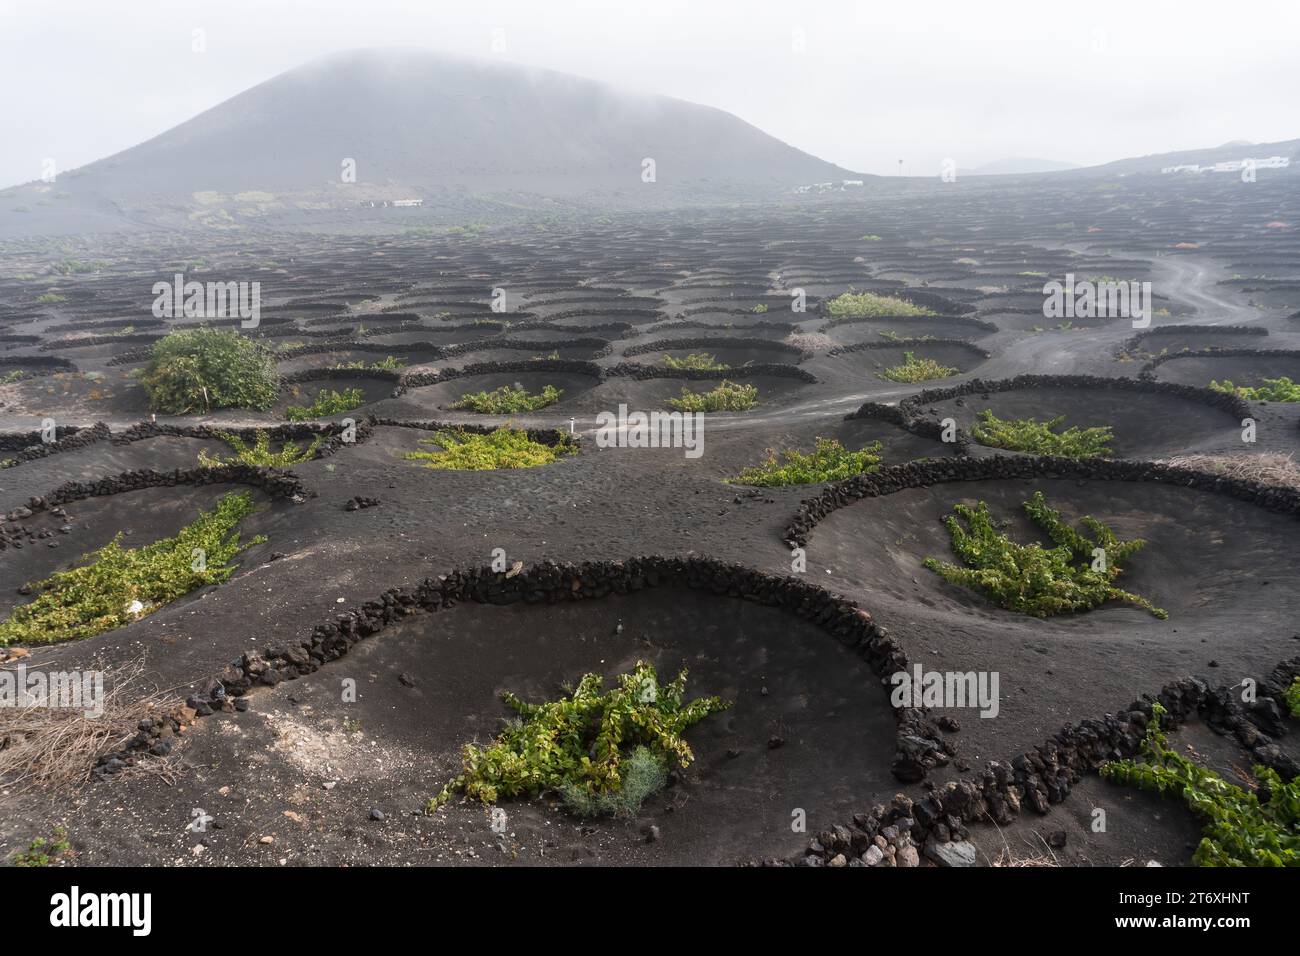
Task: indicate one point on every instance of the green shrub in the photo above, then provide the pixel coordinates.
(507, 400)
(829, 461)
(43, 852)
(327, 402)
(917, 370)
(1291, 696)
(260, 453)
(892, 336)
(696, 360)
(1241, 828)
(1032, 579)
(97, 596)
(869, 304)
(8, 378)
(579, 745)
(1273, 390)
(1041, 438)
(727, 397)
(503, 447)
(204, 369)
(389, 364)
(51, 297)
(759, 309)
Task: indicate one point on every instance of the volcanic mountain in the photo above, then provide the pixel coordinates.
(422, 125)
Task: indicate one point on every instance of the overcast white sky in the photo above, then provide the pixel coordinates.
(875, 82)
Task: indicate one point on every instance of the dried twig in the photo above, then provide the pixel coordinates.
(1267, 468)
(42, 746)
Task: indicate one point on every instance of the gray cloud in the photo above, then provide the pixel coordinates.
(875, 82)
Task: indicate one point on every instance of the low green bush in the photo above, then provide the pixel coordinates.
(43, 852)
(854, 304)
(726, 397)
(507, 400)
(1272, 390)
(1032, 579)
(890, 335)
(501, 448)
(696, 360)
(204, 369)
(327, 402)
(829, 461)
(389, 364)
(260, 454)
(1241, 828)
(1041, 438)
(104, 591)
(585, 746)
(914, 370)
(1291, 697)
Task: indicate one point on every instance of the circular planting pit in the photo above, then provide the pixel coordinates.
(652, 393)
(442, 395)
(871, 359)
(541, 335)
(594, 324)
(737, 449)
(20, 368)
(1199, 369)
(1193, 338)
(303, 392)
(810, 727)
(725, 327)
(546, 345)
(92, 349)
(729, 352)
(164, 453)
(870, 331)
(1225, 569)
(443, 336)
(1204, 557)
(1144, 424)
(1033, 320)
(1221, 566)
(348, 353)
(142, 517)
(78, 396)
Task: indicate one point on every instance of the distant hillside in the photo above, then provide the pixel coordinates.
(1019, 166)
(446, 130)
(1200, 157)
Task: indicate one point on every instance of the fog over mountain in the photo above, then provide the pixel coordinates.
(418, 124)
(1017, 165)
(467, 139)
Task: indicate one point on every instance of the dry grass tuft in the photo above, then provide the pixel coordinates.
(1266, 468)
(810, 341)
(43, 747)
(1038, 856)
